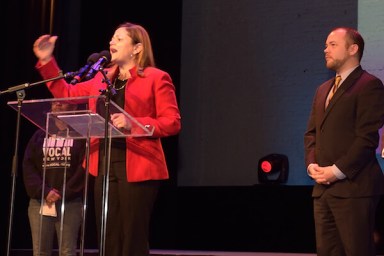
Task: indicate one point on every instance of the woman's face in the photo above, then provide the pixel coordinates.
(121, 47)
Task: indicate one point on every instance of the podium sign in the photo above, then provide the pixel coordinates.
(82, 122)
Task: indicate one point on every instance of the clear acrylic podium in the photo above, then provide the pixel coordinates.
(82, 123)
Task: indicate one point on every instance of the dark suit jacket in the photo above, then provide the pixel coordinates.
(346, 134)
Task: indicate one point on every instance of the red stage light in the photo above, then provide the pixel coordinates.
(273, 168)
(266, 166)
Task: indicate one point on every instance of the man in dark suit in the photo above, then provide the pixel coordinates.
(340, 143)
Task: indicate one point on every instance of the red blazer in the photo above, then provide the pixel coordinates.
(151, 100)
(346, 134)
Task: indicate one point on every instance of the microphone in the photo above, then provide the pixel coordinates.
(81, 73)
(104, 58)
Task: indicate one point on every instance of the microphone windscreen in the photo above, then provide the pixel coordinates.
(106, 54)
(93, 57)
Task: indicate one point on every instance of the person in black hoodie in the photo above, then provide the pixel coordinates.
(58, 157)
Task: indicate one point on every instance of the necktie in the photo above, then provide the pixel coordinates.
(333, 90)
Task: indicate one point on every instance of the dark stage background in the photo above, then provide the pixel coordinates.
(245, 73)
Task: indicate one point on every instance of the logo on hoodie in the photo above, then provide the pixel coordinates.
(57, 152)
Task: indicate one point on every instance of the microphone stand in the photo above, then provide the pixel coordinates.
(108, 92)
(19, 89)
(20, 97)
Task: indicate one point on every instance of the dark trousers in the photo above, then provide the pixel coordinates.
(345, 226)
(129, 211)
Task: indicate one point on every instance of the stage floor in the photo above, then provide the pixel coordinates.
(154, 252)
(214, 253)
(90, 252)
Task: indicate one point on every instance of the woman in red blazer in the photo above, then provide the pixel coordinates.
(137, 164)
(340, 150)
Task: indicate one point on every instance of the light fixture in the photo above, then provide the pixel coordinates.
(273, 168)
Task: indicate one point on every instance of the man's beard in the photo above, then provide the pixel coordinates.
(333, 64)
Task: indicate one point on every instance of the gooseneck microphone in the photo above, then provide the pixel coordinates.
(104, 59)
(80, 75)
